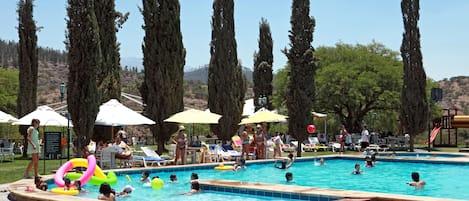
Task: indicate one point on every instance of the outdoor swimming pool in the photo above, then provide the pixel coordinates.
(401, 155)
(443, 180)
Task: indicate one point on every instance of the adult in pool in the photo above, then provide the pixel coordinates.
(416, 182)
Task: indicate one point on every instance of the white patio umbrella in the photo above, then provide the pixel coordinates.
(6, 118)
(264, 115)
(113, 113)
(46, 115)
(320, 115)
(193, 116)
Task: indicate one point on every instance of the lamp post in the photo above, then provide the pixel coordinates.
(63, 89)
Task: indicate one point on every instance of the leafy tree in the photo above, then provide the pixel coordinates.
(354, 80)
(108, 77)
(414, 109)
(28, 66)
(300, 56)
(163, 60)
(9, 90)
(262, 75)
(280, 86)
(84, 57)
(226, 83)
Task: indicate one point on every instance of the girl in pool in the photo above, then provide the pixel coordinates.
(240, 165)
(357, 169)
(106, 193)
(173, 178)
(417, 183)
(145, 177)
(289, 177)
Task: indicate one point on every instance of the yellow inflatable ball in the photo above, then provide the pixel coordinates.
(157, 183)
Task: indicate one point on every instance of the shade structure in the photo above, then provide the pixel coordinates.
(46, 115)
(113, 113)
(320, 115)
(264, 115)
(193, 116)
(6, 118)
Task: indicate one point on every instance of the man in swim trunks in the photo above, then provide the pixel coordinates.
(417, 183)
(181, 141)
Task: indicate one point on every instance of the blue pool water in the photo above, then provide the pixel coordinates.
(443, 180)
(420, 155)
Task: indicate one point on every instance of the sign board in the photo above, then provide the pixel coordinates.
(52, 142)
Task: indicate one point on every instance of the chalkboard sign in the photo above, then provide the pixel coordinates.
(52, 142)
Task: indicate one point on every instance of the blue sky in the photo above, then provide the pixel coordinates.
(443, 28)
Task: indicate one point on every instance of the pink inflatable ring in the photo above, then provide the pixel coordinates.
(89, 163)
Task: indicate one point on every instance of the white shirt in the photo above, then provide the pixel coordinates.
(365, 135)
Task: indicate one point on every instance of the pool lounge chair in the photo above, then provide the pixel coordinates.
(151, 158)
(225, 152)
(7, 152)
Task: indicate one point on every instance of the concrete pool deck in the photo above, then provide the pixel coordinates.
(18, 188)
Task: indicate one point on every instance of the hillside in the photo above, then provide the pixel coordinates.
(456, 93)
(201, 74)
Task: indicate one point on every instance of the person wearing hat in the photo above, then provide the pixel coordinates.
(260, 139)
(126, 191)
(181, 142)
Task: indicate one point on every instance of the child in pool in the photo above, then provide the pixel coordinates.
(106, 193)
(173, 178)
(145, 177)
(240, 165)
(417, 183)
(283, 164)
(67, 185)
(289, 177)
(357, 169)
(125, 191)
(195, 187)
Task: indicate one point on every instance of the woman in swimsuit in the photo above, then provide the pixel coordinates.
(245, 139)
(259, 138)
(180, 140)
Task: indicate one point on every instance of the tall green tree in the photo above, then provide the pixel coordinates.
(262, 75)
(84, 59)
(300, 94)
(354, 80)
(226, 83)
(108, 76)
(28, 65)
(163, 59)
(414, 109)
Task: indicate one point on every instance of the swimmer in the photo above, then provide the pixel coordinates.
(283, 164)
(195, 187)
(145, 177)
(40, 183)
(240, 165)
(357, 169)
(368, 162)
(67, 185)
(173, 178)
(194, 177)
(417, 183)
(289, 176)
(125, 191)
(321, 162)
(106, 193)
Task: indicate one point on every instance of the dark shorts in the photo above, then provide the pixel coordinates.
(364, 144)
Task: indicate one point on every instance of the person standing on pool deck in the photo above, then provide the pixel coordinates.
(34, 148)
(417, 183)
(181, 141)
(365, 139)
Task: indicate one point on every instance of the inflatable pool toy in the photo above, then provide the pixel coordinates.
(157, 183)
(222, 166)
(128, 178)
(61, 190)
(89, 163)
(111, 178)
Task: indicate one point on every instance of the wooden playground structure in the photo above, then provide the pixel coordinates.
(448, 124)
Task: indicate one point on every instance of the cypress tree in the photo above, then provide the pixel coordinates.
(262, 74)
(163, 59)
(414, 109)
(301, 88)
(84, 57)
(226, 83)
(28, 65)
(108, 76)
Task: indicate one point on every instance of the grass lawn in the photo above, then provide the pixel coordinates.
(13, 171)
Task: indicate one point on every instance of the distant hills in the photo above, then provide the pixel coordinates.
(201, 74)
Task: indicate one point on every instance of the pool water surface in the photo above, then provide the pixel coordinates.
(443, 180)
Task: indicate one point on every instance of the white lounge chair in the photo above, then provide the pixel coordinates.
(8, 152)
(151, 157)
